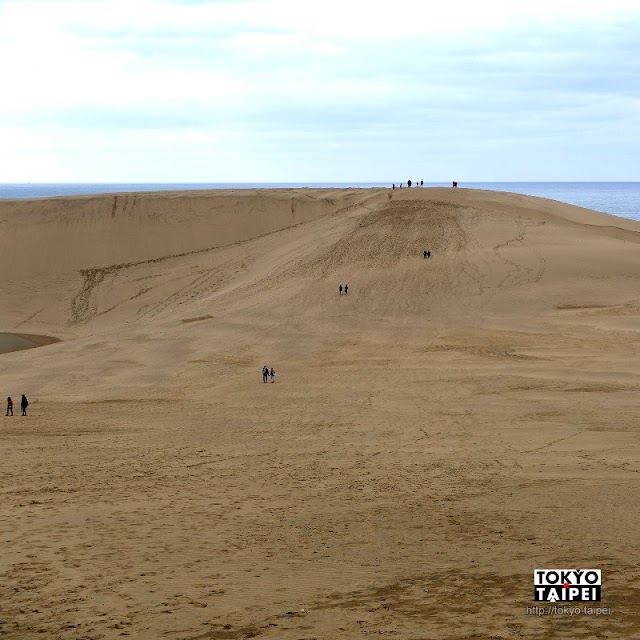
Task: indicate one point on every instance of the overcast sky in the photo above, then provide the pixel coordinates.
(331, 90)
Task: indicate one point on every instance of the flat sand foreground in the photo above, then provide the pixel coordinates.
(431, 438)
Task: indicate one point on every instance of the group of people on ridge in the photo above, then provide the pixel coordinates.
(346, 289)
(266, 373)
(419, 184)
(409, 183)
(24, 403)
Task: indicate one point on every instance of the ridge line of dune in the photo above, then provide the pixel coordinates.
(93, 276)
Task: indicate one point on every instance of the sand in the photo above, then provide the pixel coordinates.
(431, 438)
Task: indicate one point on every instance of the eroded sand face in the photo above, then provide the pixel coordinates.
(432, 438)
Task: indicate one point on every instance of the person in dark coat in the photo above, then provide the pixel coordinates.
(340, 289)
(265, 373)
(24, 403)
(9, 406)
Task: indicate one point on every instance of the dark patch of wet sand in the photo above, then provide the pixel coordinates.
(20, 341)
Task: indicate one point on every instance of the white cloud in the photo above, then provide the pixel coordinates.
(275, 81)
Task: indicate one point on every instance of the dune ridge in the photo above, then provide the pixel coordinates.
(81, 231)
(431, 437)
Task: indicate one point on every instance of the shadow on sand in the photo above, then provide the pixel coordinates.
(19, 341)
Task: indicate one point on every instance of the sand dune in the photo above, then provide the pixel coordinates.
(432, 438)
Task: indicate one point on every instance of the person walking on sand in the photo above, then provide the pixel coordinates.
(272, 373)
(24, 403)
(340, 289)
(424, 253)
(265, 373)
(9, 406)
(346, 289)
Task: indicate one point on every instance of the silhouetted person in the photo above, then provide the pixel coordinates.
(265, 373)
(393, 186)
(424, 253)
(9, 406)
(340, 289)
(346, 289)
(428, 254)
(24, 403)
(272, 373)
(455, 184)
(408, 183)
(421, 182)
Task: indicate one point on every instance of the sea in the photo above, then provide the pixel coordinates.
(617, 198)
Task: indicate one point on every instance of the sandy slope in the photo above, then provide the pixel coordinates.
(433, 437)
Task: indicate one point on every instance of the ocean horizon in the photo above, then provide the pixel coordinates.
(617, 198)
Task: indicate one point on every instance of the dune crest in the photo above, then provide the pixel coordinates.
(60, 234)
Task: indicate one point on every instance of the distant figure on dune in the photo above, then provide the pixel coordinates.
(272, 373)
(265, 373)
(428, 254)
(346, 289)
(455, 184)
(24, 403)
(9, 406)
(424, 253)
(408, 183)
(340, 289)
(393, 186)
(421, 182)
